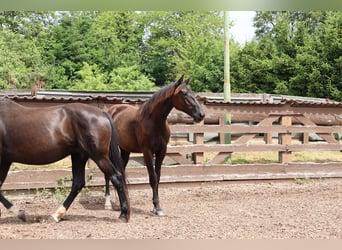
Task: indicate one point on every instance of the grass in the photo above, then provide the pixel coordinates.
(303, 181)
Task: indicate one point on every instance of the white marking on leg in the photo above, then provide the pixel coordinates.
(59, 214)
(108, 204)
(158, 212)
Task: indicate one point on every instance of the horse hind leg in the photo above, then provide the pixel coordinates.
(118, 182)
(108, 203)
(20, 213)
(78, 182)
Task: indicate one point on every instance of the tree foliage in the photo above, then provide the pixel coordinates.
(295, 53)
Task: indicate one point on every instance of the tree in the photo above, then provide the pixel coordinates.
(189, 43)
(20, 61)
(300, 52)
(117, 38)
(295, 53)
(69, 44)
(131, 79)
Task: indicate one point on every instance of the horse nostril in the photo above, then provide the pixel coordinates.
(200, 116)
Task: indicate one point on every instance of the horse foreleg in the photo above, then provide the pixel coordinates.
(7, 204)
(154, 175)
(158, 163)
(78, 182)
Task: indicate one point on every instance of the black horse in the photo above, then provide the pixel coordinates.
(44, 135)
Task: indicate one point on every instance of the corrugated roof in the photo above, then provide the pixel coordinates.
(293, 103)
(139, 97)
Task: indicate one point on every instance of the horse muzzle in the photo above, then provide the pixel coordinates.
(199, 116)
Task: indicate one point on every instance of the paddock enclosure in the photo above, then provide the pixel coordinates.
(308, 209)
(203, 194)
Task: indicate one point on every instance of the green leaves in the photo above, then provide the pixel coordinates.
(20, 61)
(130, 79)
(294, 53)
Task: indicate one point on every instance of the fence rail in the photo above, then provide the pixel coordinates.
(284, 131)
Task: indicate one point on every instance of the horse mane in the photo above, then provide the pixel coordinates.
(158, 98)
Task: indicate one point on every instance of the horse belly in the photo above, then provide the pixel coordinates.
(128, 141)
(23, 148)
(36, 157)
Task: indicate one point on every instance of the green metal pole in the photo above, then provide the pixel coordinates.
(226, 86)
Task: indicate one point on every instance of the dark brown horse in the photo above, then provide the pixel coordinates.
(44, 135)
(145, 129)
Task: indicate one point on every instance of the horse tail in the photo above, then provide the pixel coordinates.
(118, 163)
(114, 150)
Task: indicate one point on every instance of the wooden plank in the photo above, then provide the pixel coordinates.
(178, 157)
(247, 137)
(315, 147)
(327, 137)
(285, 139)
(315, 129)
(254, 129)
(220, 158)
(37, 179)
(225, 148)
(229, 148)
(238, 129)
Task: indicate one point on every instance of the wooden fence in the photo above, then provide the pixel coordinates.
(279, 126)
(282, 120)
(285, 128)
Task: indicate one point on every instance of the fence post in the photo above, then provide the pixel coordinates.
(221, 135)
(199, 139)
(285, 139)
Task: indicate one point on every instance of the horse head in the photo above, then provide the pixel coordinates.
(185, 100)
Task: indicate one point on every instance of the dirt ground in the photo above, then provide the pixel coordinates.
(299, 209)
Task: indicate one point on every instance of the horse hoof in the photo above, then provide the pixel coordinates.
(55, 218)
(123, 218)
(159, 213)
(108, 207)
(60, 213)
(21, 215)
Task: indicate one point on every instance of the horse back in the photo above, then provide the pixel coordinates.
(44, 135)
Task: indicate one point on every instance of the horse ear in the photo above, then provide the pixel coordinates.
(187, 81)
(180, 80)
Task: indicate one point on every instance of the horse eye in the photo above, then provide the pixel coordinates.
(185, 93)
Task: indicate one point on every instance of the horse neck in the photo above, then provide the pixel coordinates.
(158, 108)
